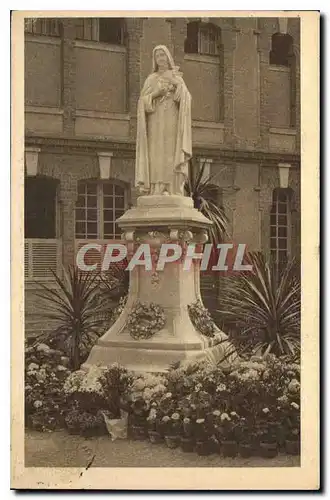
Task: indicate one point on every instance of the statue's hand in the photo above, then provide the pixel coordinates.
(160, 92)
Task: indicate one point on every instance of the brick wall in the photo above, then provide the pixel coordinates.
(246, 85)
(100, 80)
(277, 95)
(203, 81)
(43, 73)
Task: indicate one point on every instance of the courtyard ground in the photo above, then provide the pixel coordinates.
(59, 449)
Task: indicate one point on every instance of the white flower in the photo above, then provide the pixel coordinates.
(153, 413)
(135, 396)
(221, 388)
(168, 395)
(61, 368)
(33, 367)
(266, 410)
(216, 413)
(253, 365)
(283, 399)
(166, 418)
(186, 420)
(294, 386)
(41, 375)
(198, 387)
(233, 414)
(295, 405)
(37, 404)
(224, 416)
(200, 420)
(160, 388)
(115, 365)
(138, 384)
(175, 416)
(43, 347)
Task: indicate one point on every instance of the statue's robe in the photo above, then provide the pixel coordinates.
(163, 145)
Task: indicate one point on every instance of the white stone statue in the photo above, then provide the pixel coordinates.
(163, 145)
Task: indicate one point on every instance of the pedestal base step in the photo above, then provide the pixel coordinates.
(158, 360)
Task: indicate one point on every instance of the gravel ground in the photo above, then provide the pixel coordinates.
(59, 449)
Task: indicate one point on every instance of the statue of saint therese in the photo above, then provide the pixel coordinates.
(163, 145)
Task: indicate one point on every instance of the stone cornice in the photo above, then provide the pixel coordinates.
(74, 145)
(123, 149)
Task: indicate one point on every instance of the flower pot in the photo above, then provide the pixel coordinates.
(139, 432)
(203, 448)
(172, 441)
(155, 437)
(246, 450)
(187, 444)
(87, 433)
(74, 431)
(268, 450)
(292, 447)
(229, 448)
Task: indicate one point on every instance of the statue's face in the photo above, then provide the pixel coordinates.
(161, 59)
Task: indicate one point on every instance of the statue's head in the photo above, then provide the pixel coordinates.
(161, 58)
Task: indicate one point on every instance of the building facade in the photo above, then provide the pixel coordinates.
(82, 82)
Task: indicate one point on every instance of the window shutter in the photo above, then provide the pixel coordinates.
(191, 45)
(44, 257)
(26, 260)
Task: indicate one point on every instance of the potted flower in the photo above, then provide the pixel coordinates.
(292, 441)
(268, 435)
(72, 421)
(172, 431)
(92, 425)
(187, 440)
(202, 436)
(229, 444)
(245, 437)
(139, 412)
(154, 435)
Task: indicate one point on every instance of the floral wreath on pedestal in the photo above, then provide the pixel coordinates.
(145, 320)
(201, 319)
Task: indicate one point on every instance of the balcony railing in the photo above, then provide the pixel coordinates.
(40, 256)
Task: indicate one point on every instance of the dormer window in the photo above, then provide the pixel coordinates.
(202, 38)
(105, 29)
(281, 50)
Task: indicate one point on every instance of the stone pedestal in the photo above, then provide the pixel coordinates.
(157, 220)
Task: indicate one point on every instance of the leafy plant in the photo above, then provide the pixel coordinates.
(115, 282)
(201, 190)
(75, 306)
(265, 307)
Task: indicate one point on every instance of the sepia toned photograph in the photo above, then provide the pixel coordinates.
(161, 217)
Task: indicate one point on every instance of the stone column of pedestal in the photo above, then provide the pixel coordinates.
(157, 220)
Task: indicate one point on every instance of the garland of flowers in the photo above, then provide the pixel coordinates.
(145, 320)
(201, 319)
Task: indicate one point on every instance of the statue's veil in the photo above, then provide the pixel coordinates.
(169, 57)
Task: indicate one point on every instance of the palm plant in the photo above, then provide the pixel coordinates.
(115, 281)
(202, 190)
(263, 306)
(75, 306)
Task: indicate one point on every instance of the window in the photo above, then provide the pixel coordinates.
(43, 26)
(40, 207)
(280, 228)
(202, 38)
(106, 29)
(97, 208)
(281, 49)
